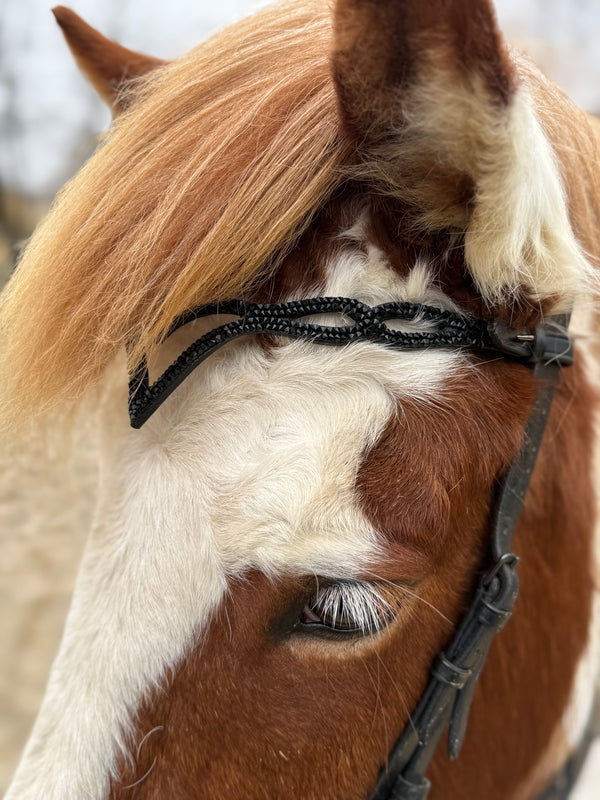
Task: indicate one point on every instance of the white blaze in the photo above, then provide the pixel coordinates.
(250, 464)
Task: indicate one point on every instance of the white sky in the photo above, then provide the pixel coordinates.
(49, 115)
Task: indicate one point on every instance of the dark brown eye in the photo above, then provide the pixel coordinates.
(358, 607)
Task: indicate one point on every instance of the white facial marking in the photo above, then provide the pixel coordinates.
(589, 780)
(579, 711)
(250, 464)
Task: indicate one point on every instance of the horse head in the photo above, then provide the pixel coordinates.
(282, 549)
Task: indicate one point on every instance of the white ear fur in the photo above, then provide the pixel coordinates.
(519, 235)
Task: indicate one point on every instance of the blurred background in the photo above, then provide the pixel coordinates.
(49, 120)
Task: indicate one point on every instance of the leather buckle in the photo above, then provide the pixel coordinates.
(450, 674)
(506, 559)
(507, 340)
(545, 345)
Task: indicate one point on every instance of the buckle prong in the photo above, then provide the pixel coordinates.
(509, 559)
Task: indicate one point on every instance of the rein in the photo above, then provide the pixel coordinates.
(448, 695)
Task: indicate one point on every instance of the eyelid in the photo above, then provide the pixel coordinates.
(350, 608)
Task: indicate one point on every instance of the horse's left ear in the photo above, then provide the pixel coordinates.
(385, 49)
(429, 96)
(107, 65)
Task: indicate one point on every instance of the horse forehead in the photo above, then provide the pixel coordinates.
(298, 394)
(266, 455)
(266, 443)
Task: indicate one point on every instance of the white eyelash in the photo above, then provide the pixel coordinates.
(353, 604)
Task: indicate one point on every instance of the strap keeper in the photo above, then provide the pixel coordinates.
(450, 674)
(552, 346)
(506, 559)
(494, 617)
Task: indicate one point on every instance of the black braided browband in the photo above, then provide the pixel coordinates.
(447, 330)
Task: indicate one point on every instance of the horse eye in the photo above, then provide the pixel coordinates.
(348, 607)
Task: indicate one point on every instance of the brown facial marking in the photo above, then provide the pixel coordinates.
(242, 722)
(254, 715)
(431, 475)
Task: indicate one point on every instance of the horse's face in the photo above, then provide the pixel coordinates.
(280, 552)
(287, 484)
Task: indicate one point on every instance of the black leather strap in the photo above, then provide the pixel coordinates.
(449, 693)
(552, 350)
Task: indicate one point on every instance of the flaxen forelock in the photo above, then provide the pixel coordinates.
(221, 160)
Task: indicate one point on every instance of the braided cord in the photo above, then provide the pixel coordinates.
(448, 330)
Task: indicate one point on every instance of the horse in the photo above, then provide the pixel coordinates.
(293, 541)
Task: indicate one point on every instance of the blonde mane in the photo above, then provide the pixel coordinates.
(221, 161)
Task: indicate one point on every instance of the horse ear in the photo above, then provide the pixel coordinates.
(106, 64)
(386, 48)
(416, 83)
(429, 96)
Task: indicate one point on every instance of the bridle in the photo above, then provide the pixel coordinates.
(448, 695)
